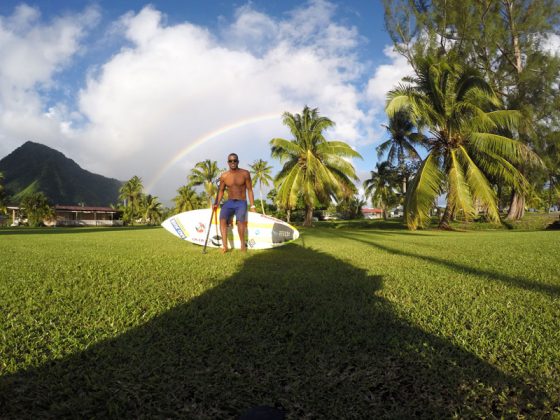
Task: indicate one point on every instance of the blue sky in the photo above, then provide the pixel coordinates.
(134, 88)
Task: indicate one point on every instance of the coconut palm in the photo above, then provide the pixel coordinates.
(36, 207)
(380, 187)
(261, 175)
(400, 145)
(313, 167)
(464, 144)
(186, 199)
(131, 194)
(151, 209)
(205, 173)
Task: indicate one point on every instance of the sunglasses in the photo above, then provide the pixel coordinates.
(233, 161)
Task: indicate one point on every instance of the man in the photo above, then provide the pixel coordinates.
(238, 183)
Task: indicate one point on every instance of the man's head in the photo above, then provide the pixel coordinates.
(233, 161)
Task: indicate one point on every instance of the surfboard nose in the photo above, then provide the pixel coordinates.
(282, 233)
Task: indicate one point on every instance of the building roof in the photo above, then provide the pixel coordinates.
(86, 208)
(367, 210)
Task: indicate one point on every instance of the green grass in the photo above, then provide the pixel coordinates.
(352, 322)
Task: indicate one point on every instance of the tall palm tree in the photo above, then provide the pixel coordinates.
(380, 187)
(465, 143)
(186, 199)
(152, 209)
(313, 167)
(261, 175)
(131, 193)
(400, 145)
(205, 173)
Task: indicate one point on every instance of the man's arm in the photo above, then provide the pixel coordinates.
(249, 186)
(221, 190)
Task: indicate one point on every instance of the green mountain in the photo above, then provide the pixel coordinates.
(35, 167)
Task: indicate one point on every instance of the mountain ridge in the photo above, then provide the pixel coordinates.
(34, 167)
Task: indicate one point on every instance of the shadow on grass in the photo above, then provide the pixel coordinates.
(548, 289)
(66, 230)
(293, 326)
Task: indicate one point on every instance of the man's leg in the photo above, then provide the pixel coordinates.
(241, 229)
(223, 232)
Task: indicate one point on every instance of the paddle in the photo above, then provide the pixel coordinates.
(214, 212)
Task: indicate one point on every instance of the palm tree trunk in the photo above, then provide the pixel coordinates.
(288, 214)
(308, 216)
(445, 222)
(516, 207)
(262, 202)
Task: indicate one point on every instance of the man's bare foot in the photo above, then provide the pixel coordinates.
(243, 249)
(223, 250)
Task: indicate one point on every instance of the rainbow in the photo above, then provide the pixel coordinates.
(206, 137)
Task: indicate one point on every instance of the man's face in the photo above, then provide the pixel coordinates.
(233, 161)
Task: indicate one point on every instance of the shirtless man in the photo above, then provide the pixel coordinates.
(238, 183)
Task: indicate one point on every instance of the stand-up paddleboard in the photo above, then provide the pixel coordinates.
(262, 231)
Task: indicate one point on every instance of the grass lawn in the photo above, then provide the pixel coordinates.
(348, 322)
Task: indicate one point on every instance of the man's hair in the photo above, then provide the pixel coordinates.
(234, 154)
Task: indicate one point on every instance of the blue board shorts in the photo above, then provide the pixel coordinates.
(237, 207)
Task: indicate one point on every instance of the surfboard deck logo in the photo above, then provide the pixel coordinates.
(262, 231)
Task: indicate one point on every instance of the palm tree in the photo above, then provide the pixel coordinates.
(465, 143)
(36, 207)
(205, 173)
(261, 175)
(152, 210)
(313, 167)
(380, 187)
(400, 145)
(186, 199)
(131, 193)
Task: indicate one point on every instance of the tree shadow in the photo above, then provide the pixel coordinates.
(294, 326)
(522, 283)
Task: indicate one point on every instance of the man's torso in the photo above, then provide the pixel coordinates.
(235, 182)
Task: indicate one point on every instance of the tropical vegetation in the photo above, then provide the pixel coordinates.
(508, 42)
(467, 139)
(380, 187)
(206, 173)
(36, 209)
(260, 171)
(313, 167)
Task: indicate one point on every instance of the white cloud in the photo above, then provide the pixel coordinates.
(175, 84)
(32, 53)
(387, 76)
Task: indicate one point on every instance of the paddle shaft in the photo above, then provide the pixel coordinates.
(209, 229)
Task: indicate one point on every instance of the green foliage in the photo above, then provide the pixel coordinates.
(187, 199)
(506, 42)
(381, 186)
(460, 111)
(205, 173)
(131, 194)
(314, 168)
(35, 207)
(260, 170)
(346, 322)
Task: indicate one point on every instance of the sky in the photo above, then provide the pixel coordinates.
(130, 88)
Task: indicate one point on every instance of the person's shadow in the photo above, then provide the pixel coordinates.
(294, 327)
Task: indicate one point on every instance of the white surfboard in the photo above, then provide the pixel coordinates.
(262, 231)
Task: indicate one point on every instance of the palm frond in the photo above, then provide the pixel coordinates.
(424, 189)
